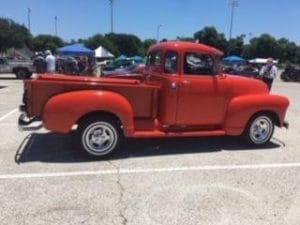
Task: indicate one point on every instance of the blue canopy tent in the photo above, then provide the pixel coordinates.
(233, 59)
(137, 58)
(75, 50)
(121, 57)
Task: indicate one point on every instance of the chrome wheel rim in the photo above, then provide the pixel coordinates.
(261, 129)
(99, 138)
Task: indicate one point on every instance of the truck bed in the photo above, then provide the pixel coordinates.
(143, 97)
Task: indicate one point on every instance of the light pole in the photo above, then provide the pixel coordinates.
(28, 18)
(157, 32)
(250, 35)
(233, 4)
(55, 25)
(111, 16)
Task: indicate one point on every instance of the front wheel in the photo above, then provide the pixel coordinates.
(99, 137)
(259, 130)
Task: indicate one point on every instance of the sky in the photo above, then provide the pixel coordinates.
(84, 18)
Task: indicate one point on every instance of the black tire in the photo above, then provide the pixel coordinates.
(28, 75)
(259, 130)
(283, 76)
(22, 74)
(99, 136)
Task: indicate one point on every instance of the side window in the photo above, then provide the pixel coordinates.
(198, 64)
(171, 62)
(154, 58)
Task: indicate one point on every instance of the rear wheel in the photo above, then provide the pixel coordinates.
(99, 137)
(283, 76)
(22, 74)
(259, 130)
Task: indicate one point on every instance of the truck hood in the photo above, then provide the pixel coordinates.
(245, 85)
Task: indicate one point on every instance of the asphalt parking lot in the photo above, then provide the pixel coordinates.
(45, 179)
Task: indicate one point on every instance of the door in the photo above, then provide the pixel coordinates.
(203, 94)
(163, 67)
(4, 66)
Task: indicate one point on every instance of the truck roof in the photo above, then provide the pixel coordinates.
(184, 45)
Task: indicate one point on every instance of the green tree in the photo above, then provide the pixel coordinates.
(46, 42)
(287, 50)
(97, 40)
(13, 35)
(210, 36)
(148, 43)
(247, 51)
(263, 46)
(189, 39)
(235, 45)
(127, 44)
(297, 56)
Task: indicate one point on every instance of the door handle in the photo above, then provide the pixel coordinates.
(184, 82)
(174, 85)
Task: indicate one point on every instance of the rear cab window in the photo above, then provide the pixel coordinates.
(171, 62)
(154, 60)
(197, 63)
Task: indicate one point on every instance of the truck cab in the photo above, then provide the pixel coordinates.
(194, 91)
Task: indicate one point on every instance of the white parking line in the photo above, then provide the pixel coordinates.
(149, 170)
(8, 114)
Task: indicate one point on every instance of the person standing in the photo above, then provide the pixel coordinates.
(268, 73)
(50, 60)
(40, 63)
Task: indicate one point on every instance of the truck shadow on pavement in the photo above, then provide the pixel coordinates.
(58, 148)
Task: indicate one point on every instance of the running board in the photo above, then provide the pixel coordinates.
(160, 134)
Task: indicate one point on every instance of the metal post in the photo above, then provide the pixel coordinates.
(28, 17)
(111, 16)
(55, 25)
(157, 32)
(250, 36)
(233, 4)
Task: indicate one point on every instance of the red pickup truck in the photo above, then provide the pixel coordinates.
(182, 93)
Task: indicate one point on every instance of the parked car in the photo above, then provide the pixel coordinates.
(21, 68)
(133, 69)
(120, 64)
(184, 94)
(291, 74)
(245, 70)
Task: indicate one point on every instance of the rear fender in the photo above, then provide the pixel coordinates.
(242, 108)
(62, 111)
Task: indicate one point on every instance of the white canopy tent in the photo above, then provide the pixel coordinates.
(103, 56)
(261, 61)
(101, 52)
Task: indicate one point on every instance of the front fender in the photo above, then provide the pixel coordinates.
(242, 108)
(62, 111)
